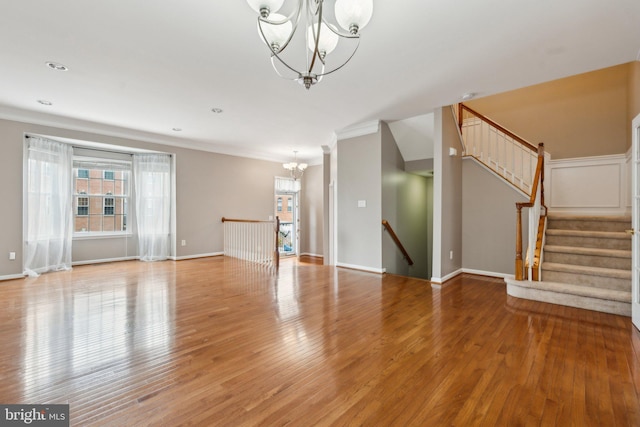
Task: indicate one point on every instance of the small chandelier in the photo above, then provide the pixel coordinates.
(320, 36)
(295, 169)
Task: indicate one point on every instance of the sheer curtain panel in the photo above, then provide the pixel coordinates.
(152, 177)
(49, 206)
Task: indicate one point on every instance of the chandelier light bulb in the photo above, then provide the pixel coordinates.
(353, 15)
(277, 33)
(265, 7)
(327, 42)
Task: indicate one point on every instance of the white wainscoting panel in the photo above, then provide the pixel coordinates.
(588, 186)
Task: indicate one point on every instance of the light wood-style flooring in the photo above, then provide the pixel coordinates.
(221, 342)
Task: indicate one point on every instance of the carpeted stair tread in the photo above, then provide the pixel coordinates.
(585, 291)
(582, 233)
(603, 218)
(613, 253)
(593, 271)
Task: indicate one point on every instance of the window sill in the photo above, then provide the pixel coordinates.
(107, 235)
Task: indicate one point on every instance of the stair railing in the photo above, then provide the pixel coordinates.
(536, 206)
(507, 154)
(520, 163)
(252, 240)
(397, 241)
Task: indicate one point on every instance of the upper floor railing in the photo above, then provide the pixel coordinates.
(504, 152)
(252, 240)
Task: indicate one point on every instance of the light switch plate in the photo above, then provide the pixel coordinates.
(362, 203)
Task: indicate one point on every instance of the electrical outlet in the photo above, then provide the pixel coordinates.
(12, 256)
(184, 243)
(450, 254)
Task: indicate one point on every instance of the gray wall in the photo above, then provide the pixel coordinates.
(415, 220)
(447, 189)
(407, 202)
(311, 211)
(359, 178)
(489, 220)
(209, 186)
(392, 167)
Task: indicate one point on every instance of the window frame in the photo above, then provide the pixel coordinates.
(122, 172)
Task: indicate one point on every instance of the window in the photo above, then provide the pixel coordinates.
(101, 195)
(279, 204)
(83, 206)
(109, 205)
(289, 204)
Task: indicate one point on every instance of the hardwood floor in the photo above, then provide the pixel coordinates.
(217, 341)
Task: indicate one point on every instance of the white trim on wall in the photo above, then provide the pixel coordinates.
(362, 268)
(181, 258)
(102, 261)
(436, 282)
(12, 277)
(596, 185)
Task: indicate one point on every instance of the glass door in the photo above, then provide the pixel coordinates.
(286, 205)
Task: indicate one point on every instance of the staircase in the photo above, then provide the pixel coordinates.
(586, 264)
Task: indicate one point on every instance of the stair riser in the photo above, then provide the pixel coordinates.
(572, 224)
(586, 280)
(588, 260)
(589, 242)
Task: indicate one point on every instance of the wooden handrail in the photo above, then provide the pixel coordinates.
(520, 140)
(395, 238)
(539, 177)
(244, 220)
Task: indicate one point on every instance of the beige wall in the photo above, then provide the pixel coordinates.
(578, 116)
(209, 186)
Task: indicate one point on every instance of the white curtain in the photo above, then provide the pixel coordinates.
(152, 177)
(287, 185)
(49, 206)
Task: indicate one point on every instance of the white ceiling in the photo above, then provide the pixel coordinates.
(140, 68)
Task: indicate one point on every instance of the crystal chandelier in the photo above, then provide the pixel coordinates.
(321, 37)
(295, 169)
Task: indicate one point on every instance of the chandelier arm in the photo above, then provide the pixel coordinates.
(278, 73)
(316, 36)
(343, 64)
(291, 34)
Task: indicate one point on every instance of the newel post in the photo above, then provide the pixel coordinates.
(519, 263)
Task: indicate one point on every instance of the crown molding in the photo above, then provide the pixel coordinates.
(99, 129)
(360, 129)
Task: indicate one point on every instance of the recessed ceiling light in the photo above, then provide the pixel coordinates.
(44, 102)
(217, 110)
(467, 96)
(176, 129)
(57, 66)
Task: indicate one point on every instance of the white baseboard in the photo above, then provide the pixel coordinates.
(362, 268)
(12, 277)
(312, 255)
(436, 282)
(486, 273)
(102, 261)
(181, 258)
